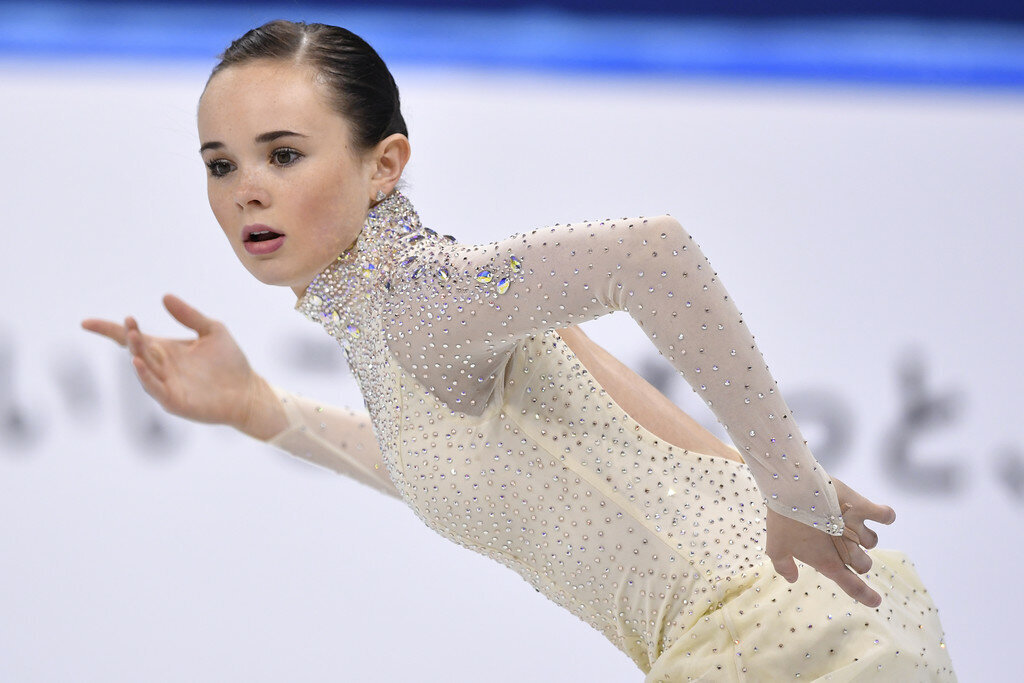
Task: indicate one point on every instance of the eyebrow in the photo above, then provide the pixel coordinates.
(260, 139)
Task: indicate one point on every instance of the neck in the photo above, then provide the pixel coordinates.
(337, 294)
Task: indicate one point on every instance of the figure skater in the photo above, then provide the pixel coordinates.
(502, 425)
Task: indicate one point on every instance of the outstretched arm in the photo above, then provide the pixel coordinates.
(208, 379)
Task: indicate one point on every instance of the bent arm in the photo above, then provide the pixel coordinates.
(652, 269)
(338, 439)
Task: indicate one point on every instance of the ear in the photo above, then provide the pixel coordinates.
(390, 156)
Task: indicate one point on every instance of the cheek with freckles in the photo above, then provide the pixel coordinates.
(220, 207)
(336, 215)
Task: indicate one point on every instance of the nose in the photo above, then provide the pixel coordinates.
(251, 190)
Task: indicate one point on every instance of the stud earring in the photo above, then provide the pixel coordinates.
(380, 195)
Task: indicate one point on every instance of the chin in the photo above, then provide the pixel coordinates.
(274, 276)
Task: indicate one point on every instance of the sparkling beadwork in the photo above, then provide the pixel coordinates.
(499, 438)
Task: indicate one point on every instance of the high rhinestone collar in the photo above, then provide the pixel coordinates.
(390, 229)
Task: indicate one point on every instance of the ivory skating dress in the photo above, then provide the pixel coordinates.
(484, 422)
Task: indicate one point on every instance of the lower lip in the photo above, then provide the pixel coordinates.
(266, 247)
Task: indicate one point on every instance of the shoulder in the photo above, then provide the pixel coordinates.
(557, 233)
(598, 228)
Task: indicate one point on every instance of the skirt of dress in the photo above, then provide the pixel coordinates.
(771, 630)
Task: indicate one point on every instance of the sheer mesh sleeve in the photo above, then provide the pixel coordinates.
(459, 333)
(339, 439)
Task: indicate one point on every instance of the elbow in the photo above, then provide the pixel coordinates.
(666, 226)
(661, 230)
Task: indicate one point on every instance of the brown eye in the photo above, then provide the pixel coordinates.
(284, 156)
(219, 168)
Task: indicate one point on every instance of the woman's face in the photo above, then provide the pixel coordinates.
(283, 179)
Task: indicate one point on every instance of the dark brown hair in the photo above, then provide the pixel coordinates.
(362, 89)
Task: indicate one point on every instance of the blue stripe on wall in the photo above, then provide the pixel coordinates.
(904, 52)
(955, 10)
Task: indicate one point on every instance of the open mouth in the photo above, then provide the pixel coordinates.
(262, 236)
(260, 240)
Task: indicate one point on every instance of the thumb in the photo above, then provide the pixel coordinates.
(786, 568)
(187, 316)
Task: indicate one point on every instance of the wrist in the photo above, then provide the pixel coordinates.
(264, 416)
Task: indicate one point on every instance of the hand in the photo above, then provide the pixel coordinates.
(207, 379)
(789, 539)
